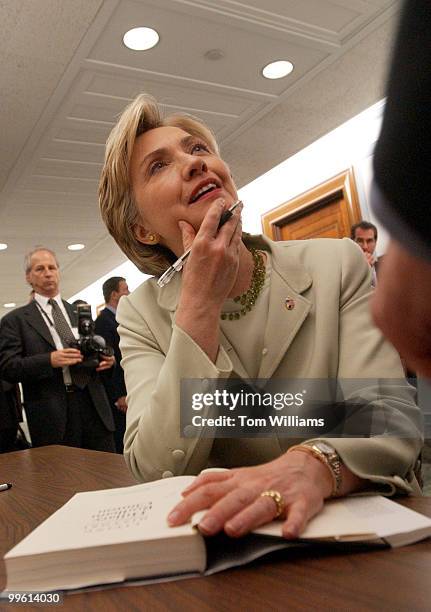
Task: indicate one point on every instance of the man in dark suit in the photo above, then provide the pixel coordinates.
(64, 403)
(106, 326)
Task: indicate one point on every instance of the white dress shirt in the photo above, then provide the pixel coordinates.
(46, 311)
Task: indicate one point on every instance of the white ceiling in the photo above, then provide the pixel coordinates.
(66, 76)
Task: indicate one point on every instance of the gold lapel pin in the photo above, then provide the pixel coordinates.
(289, 303)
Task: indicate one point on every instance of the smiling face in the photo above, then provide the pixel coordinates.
(175, 177)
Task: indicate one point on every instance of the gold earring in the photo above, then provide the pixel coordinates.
(152, 238)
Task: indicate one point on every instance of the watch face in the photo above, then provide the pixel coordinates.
(325, 448)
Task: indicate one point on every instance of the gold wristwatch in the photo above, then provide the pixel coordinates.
(328, 455)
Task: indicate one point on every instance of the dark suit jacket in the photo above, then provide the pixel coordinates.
(9, 408)
(106, 326)
(25, 347)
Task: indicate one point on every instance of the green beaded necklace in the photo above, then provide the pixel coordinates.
(248, 299)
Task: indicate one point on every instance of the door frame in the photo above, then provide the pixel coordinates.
(342, 185)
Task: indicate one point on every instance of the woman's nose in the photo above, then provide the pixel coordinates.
(194, 166)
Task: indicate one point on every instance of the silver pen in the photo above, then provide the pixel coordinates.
(177, 266)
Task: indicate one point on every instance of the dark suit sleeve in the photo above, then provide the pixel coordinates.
(9, 417)
(14, 366)
(113, 379)
(103, 327)
(402, 158)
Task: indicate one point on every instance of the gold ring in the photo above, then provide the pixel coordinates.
(278, 500)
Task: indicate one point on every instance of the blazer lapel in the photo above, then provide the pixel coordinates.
(168, 299)
(288, 309)
(35, 319)
(288, 281)
(238, 369)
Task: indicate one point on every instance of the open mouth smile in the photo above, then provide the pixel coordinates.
(203, 190)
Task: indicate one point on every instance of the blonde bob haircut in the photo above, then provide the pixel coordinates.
(116, 201)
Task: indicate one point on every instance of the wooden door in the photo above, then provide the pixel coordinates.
(326, 211)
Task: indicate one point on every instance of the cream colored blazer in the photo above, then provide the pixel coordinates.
(328, 334)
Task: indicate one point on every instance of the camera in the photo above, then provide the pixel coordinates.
(92, 347)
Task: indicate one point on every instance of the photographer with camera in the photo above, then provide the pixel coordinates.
(64, 399)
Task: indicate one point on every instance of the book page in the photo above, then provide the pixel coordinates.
(356, 518)
(110, 516)
(389, 518)
(334, 520)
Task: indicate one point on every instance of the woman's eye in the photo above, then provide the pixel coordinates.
(156, 166)
(198, 147)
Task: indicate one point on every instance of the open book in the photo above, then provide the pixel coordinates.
(115, 535)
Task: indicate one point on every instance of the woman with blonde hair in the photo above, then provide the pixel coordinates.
(241, 308)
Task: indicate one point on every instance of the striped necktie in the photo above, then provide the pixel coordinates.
(79, 376)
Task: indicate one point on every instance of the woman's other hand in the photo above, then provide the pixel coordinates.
(234, 498)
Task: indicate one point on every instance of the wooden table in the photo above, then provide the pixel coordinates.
(45, 478)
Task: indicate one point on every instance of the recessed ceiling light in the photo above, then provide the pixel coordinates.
(76, 247)
(141, 39)
(3, 246)
(277, 70)
(9, 305)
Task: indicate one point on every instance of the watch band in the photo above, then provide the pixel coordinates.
(325, 453)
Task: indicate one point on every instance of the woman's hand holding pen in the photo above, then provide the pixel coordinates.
(212, 266)
(209, 275)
